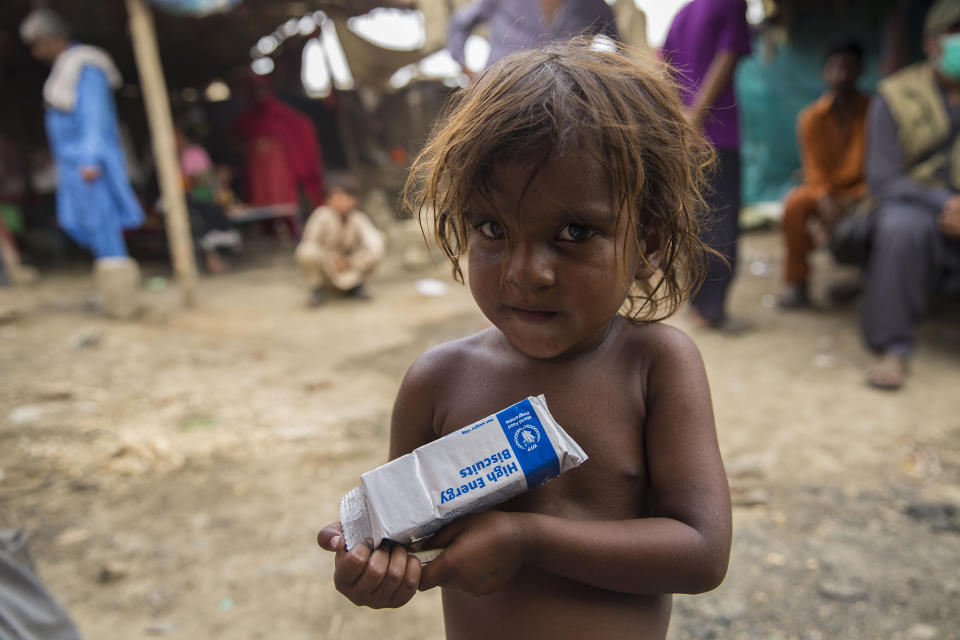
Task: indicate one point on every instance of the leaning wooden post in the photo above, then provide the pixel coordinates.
(155, 98)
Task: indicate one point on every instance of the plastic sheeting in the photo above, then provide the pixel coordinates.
(196, 8)
(373, 65)
(771, 91)
(632, 23)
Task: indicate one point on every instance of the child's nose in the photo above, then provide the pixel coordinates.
(530, 267)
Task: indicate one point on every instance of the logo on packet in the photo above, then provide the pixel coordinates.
(527, 437)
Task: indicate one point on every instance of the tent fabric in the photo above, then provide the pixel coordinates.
(373, 65)
(282, 152)
(632, 23)
(196, 8)
(773, 86)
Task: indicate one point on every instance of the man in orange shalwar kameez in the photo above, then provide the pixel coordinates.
(831, 135)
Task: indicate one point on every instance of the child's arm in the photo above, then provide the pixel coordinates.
(683, 548)
(388, 577)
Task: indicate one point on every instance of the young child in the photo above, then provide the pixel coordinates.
(340, 246)
(569, 177)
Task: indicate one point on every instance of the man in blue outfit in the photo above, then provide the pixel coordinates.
(95, 202)
(517, 25)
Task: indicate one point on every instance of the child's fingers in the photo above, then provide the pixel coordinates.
(442, 569)
(394, 578)
(396, 568)
(448, 534)
(411, 580)
(373, 573)
(436, 573)
(330, 536)
(350, 566)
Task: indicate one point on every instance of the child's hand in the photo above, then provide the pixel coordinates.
(484, 551)
(387, 577)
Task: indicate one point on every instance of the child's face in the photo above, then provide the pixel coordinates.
(548, 270)
(341, 201)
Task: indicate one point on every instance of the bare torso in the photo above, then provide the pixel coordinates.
(598, 398)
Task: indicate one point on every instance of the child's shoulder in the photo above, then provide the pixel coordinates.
(655, 341)
(436, 375)
(444, 361)
(658, 353)
(322, 211)
(666, 358)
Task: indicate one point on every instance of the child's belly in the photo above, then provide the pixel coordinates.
(545, 606)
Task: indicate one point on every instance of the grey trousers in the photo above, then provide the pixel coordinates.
(909, 257)
(27, 610)
(721, 230)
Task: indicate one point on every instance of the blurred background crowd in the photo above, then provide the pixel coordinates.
(264, 99)
(285, 127)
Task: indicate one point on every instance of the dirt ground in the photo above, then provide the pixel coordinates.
(172, 471)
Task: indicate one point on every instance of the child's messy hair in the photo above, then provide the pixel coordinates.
(620, 107)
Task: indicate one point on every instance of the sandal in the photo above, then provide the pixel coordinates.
(794, 297)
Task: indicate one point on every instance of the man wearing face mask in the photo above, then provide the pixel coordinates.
(913, 173)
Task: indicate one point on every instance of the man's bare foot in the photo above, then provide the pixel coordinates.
(214, 263)
(888, 372)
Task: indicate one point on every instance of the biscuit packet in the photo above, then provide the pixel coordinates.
(468, 470)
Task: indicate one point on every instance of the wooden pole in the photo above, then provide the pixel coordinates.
(157, 103)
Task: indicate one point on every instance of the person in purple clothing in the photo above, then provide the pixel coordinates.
(705, 41)
(516, 25)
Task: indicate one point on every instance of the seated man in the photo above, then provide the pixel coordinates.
(831, 135)
(913, 170)
(340, 245)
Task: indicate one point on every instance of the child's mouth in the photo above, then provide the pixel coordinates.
(533, 316)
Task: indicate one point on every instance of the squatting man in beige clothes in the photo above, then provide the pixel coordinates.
(340, 246)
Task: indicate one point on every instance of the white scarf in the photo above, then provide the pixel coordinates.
(60, 89)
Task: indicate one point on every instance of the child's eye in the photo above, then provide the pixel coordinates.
(575, 232)
(491, 229)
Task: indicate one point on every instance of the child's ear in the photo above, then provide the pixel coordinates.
(651, 255)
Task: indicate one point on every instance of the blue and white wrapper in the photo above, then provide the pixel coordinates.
(471, 469)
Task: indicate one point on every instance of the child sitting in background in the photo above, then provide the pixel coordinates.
(340, 245)
(571, 179)
(213, 232)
